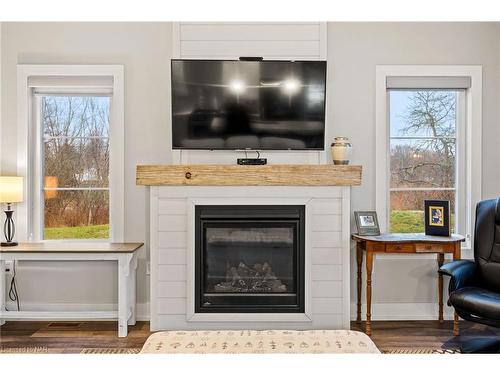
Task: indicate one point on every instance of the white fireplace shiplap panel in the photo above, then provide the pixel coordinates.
(327, 305)
(324, 223)
(171, 306)
(172, 207)
(270, 40)
(172, 256)
(325, 272)
(326, 239)
(322, 206)
(172, 239)
(170, 272)
(269, 49)
(172, 289)
(327, 320)
(231, 40)
(327, 290)
(172, 223)
(260, 31)
(326, 255)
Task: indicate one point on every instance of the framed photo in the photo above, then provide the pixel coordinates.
(367, 223)
(437, 217)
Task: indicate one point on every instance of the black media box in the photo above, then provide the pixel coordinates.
(246, 161)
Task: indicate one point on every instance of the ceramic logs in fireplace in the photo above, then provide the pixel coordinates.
(249, 259)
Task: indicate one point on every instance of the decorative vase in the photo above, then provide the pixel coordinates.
(341, 150)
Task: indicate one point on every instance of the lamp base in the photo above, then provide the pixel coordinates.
(6, 244)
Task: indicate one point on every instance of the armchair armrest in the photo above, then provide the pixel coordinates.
(462, 273)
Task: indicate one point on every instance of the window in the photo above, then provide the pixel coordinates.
(75, 166)
(428, 144)
(71, 150)
(423, 154)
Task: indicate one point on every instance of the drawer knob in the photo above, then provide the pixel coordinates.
(398, 247)
(188, 175)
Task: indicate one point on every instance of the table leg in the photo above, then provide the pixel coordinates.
(456, 256)
(440, 260)
(132, 290)
(359, 259)
(369, 268)
(2, 289)
(456, 327)
(123, 292)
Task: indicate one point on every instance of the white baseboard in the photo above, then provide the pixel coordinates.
(380, 311)
(403, 311)
(142, 309)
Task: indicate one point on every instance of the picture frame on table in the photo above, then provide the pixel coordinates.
(437, 218)
(367, 223)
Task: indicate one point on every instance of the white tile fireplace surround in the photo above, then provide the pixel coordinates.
(327, 231)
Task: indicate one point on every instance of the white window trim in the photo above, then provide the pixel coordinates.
(473, 137)
(26, 132)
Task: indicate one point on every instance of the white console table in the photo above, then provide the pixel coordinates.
(125, 254)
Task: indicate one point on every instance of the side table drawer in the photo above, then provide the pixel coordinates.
(400, 248)
(429, 248)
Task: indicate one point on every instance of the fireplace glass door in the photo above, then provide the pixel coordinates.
(249, 259)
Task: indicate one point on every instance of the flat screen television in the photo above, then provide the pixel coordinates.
(248, 105)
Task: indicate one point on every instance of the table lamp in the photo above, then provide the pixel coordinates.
(11, 191)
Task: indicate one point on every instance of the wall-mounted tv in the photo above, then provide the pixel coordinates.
(253, 105)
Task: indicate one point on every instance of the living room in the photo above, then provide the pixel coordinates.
(168, 182)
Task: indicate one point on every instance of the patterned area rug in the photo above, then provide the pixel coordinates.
(110, 351)
(420, 351)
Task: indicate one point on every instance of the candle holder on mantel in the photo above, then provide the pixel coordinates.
(341, 150)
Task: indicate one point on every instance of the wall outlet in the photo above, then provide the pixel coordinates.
(148, 268)
(9, 267)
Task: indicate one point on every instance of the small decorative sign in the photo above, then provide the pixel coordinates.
(367, 223)
(437, 218)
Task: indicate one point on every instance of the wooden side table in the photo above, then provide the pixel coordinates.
(402, 243)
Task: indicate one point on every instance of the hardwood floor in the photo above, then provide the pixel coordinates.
(424, 334)
(69, 337)
(73, 337)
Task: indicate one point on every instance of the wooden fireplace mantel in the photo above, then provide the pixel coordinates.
(249, 175)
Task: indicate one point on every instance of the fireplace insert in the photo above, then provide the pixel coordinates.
(249, 259)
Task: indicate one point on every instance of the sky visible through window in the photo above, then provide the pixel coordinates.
(398, 108)
(399, 103)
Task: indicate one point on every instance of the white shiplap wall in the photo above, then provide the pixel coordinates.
(327, 254)
(270, 40)
(276, 40)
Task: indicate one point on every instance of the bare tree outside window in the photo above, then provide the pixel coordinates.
(422, 154)
(75, 166)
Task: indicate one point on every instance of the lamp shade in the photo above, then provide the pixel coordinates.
(11, 189)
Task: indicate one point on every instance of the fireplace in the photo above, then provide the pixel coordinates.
(249, 259)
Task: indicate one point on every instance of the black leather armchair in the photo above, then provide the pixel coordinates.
(474, 289)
